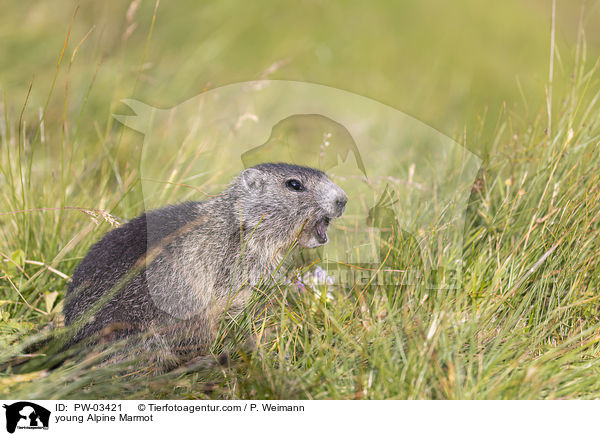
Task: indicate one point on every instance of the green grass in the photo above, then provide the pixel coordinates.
(524, 323)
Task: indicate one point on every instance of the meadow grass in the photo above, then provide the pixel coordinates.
(522, 325)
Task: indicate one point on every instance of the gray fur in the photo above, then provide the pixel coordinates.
(170, 274)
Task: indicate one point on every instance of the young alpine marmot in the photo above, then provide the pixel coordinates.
(168, 276)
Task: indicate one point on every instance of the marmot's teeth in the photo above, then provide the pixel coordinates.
(321, 230)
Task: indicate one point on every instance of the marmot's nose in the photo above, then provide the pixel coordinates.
(340, 203)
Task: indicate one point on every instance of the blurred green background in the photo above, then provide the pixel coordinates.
(453, 65)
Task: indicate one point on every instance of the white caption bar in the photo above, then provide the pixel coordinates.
(25, 417)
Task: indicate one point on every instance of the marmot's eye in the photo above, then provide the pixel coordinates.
(294, 185)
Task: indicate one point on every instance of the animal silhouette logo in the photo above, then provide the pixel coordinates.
(405, 180)
(310, 140)
(26, 415)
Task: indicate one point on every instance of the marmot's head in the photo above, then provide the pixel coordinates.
(286, 202)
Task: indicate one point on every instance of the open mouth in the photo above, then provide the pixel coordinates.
(321, 230)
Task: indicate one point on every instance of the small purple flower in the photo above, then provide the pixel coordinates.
(316, 281)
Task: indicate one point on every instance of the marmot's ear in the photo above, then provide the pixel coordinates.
(252, 179)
